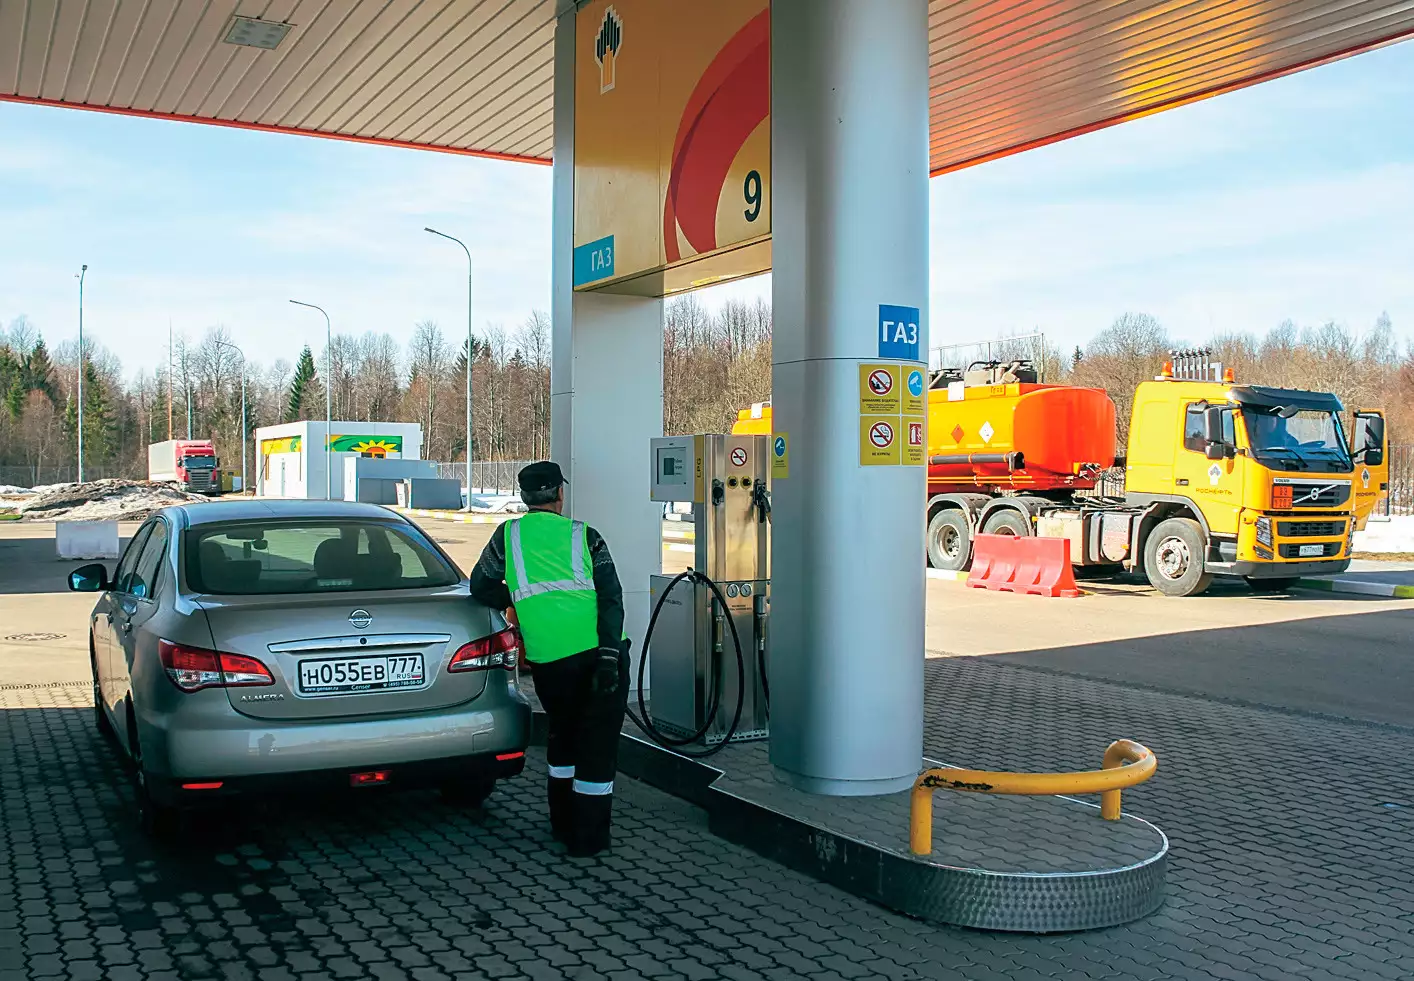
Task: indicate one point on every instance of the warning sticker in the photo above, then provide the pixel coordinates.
(738, 456)
(780, 456)
(913, 391)
(878, 441)
(913, 450)
(879, 389)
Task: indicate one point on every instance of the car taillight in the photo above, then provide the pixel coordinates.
(194, 668)
(500, 650)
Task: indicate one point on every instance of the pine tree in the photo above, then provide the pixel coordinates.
(1077, 357)
(303, 387)
(15, 398)
(39, 371)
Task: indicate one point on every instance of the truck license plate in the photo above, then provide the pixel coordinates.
(347, 675)
(1311, 550)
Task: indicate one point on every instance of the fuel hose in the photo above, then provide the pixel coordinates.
(645, 724)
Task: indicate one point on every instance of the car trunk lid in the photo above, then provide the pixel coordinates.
(352, 653)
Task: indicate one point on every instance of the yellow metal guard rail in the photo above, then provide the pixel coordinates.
(1126, 764)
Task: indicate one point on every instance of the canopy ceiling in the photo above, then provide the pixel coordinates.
(475, 76)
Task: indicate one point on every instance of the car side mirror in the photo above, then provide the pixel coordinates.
(1215, 451)
(89, 579)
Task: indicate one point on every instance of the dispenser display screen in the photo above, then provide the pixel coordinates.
(672, 465)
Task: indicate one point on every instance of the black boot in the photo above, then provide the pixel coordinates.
(561, 797)
(590, 834)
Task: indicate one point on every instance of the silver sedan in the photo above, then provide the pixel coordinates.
(259, 646)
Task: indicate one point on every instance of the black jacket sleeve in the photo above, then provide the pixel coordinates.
(488, 578)
(607, 590)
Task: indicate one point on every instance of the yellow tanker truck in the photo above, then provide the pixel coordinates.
(1220, 478)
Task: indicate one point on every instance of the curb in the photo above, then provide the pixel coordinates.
(1386, 590)
(951, 575)
(466, 519)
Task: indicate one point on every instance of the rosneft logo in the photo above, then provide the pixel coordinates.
(606, 47)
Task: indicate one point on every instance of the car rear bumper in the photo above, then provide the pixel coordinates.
(222, 744)
(395, 776)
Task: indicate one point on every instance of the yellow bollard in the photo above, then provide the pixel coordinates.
(1126, 764)
(920, 821)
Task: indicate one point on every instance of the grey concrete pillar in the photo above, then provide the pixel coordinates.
(849, 148)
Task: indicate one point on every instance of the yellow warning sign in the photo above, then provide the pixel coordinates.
(879, 441)
(879, 389)
(780, 456)
(915, 390)
(914, 449)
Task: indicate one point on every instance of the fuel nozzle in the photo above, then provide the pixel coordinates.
(719, 492)
(761, 501)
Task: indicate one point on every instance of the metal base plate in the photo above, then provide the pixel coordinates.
(1023, 864)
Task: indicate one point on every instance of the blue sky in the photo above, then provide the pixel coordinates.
(1291, 199)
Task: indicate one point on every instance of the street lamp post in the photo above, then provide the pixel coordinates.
(470, 351)
(220, 343)
(328, 400)
(82, 272)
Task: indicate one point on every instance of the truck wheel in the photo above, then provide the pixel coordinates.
(1271, 585)
(1007, 522)
(949, 541)
(1173, 558)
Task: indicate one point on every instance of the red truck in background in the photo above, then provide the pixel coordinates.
(189, 462)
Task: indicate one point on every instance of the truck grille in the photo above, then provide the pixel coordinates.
(1311, 529)
(1292, 550)
(1316, 493)
(199, 482)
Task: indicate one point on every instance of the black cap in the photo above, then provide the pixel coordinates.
(541, 476)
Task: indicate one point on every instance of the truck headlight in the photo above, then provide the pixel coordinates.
(1264, 531)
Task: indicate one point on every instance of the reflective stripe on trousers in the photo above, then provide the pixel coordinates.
(526, 589)
(561, 773)
(594, 789)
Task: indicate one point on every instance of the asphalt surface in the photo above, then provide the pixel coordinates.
(1282, 727)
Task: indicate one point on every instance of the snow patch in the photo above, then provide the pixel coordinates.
(1394, 535)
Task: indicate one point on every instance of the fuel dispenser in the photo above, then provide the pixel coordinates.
(702, 690)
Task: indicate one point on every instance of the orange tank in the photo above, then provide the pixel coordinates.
(1018, 436)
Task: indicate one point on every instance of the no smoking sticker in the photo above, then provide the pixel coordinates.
(878, 441)
(738, 457)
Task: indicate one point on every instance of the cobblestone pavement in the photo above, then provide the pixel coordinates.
(1287, 864)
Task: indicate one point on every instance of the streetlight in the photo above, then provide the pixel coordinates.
(82, 272)
(220, 343)
(328, 400)
(470, 351)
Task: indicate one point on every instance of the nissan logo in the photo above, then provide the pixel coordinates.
(360, 618)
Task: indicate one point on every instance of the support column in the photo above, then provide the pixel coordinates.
(606, 383)
(849, 159)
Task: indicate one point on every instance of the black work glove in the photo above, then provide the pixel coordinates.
(606, 672)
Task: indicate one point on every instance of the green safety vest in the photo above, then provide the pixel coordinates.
(551, 580)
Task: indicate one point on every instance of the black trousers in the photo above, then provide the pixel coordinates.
(583, 746)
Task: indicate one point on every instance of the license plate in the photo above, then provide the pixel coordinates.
(1308, 550)
(346, 675)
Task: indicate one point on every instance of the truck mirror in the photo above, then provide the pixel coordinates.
(1368, 440)
(1216, 445)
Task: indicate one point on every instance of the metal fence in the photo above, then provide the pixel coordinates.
(487, 476)
(19, 475)
(1401, 482)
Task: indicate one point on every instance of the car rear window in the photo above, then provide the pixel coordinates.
(248, 558)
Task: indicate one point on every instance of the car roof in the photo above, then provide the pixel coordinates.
(254, 509)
